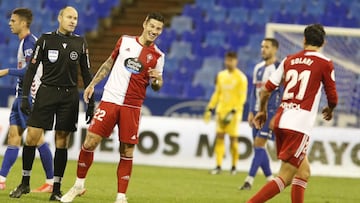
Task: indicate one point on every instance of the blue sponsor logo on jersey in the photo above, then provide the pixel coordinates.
(133, 65)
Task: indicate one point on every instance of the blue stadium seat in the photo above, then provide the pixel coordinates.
(354, 9)
(172, 89)
(205, 78)
(237, 15)
(194, 91)
(183, 75)
(336, 7)
(180, 50)
(215, 38)
(193, 63)
(194, 36)
(88, 19)
(229, 4)
(330, 20)
(236, 40)
(350, 21)
(55, 5)
(192, 11)
(306, 19)
(315, 8)
(213, 64)
(205, 5)
(80, 5)
(294, 8)
(260, 16)
(181, 24)
(272, 5)
(283, 17)
(102, 7)
(216, 14)
(252, 4)
(34, 5)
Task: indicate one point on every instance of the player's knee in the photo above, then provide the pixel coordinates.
(127, 150)
(92, 141)
(14, 140)
(304, 174)
(33, 136)
(62, 139)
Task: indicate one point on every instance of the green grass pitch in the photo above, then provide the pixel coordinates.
(174, 185)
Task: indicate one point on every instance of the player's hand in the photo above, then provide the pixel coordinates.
(228, 117)
(250, 119)
(327, 113)
(207, 115)
(25, 106)
(4, 72)
(88, 92)
(259, 119)
(154, 74)
(89, 113)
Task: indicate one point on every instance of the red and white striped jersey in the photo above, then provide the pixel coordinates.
(129, 76)
(303, 74)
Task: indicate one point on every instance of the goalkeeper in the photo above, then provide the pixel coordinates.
(228, 99)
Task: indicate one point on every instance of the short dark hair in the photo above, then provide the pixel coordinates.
(273, 41)
(314, 35)
(156, 16)
(231, 54)
(24, 14)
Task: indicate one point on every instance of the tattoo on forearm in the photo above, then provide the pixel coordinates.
(103, 71)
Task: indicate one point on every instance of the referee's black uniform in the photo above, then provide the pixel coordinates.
(60, 56)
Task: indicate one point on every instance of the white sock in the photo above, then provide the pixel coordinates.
(269, 178)
(249, 179)
(80, 182)
(49, 181)
(2, 179)
(120, 196)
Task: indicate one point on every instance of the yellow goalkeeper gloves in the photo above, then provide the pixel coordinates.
(208, 115)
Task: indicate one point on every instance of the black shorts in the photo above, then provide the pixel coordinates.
(61, 102)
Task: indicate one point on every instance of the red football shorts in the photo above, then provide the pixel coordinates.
(107, 115)
(291, 146)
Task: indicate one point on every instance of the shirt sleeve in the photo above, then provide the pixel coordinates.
(215, 96)
(115, 52)
(252, 95)
(17, 72)
(33, 65)
(85, 67)
(160, 64)
(275, 78)
(329, 85)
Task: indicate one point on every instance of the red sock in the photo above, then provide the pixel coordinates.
(297, 190)
(85, 160)
(124, 173)
(268, 191)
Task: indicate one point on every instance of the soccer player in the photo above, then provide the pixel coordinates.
(60, 52)
(262, 71)
(133, 64)
(228, 99)
(19, 23)
(304, 73)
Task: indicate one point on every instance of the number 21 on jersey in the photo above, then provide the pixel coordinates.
(293, 77)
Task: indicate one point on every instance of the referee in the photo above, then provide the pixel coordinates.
(60, 52)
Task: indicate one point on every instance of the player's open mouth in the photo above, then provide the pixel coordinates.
(152, 34)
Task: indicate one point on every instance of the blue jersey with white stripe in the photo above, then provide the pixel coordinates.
(260, 75)
(25, 51)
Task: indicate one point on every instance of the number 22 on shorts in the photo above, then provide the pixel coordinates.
(99, 114)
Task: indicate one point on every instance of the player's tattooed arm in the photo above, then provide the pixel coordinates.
(103, 71)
